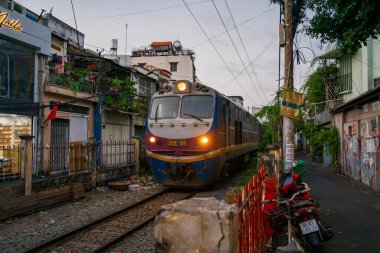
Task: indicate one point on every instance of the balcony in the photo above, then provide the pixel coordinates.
(72, 82)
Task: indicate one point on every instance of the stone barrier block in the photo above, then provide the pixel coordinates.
(197, 225)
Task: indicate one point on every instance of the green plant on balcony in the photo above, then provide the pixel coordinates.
(315, 88)
(75, 86)
(80, 80)
(122, 95)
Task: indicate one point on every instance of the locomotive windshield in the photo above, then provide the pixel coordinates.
(196, 106)
(164, 108)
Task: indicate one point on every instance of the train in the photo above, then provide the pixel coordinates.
(195, 135)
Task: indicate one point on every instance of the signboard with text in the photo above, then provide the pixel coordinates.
(291, 103)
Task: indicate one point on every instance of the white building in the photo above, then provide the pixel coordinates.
(169, 56)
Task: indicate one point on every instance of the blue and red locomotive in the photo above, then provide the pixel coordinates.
(194, 134)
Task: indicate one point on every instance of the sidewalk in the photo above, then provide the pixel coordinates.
(348, 206)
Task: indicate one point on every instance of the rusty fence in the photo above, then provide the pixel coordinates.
(116, 153)
(69, 158)
(253, 235)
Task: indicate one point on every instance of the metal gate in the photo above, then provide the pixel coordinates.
(59, 149)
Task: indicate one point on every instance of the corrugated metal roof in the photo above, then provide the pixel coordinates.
(162, 43)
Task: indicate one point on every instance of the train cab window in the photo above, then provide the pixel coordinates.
(197, 106)
(164, 108)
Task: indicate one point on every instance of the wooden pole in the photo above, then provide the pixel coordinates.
(27, 161)
(288, 125)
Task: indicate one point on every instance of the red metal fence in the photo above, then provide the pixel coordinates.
(253, 235)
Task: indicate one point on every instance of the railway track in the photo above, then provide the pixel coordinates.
(101, 234)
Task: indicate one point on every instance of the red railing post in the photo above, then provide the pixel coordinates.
(252, 237)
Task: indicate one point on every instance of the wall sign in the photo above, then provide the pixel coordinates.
(291, 103)
(10, 23)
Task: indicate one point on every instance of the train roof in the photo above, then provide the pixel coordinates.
(229, 98)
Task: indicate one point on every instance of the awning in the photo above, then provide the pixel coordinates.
(19, 107)
(364, 98)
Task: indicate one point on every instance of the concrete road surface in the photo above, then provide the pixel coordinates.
(350, 207)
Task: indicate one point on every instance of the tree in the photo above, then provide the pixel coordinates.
(271, 121)
(315, 87)
(299, 12)
(124, 99)
(351, 22)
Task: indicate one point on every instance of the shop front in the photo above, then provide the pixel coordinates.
(12, 126)
(24, 49)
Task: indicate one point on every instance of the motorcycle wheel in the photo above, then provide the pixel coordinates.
(279, 238)
(313, 243)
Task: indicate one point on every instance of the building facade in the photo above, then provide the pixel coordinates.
(24, 50)
(169, 56)
(358, 117)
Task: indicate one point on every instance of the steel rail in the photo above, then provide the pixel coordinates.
(130, 231)
(77, 230)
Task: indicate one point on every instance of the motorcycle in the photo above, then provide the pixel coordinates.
(303, 212)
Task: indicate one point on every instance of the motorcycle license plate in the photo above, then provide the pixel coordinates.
(309, 226)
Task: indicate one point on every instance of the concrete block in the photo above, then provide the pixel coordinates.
(197, 225)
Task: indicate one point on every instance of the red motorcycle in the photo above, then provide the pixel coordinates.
(301, 211)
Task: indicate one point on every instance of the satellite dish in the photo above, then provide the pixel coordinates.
(177, 45)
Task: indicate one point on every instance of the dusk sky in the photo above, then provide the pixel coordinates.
(170, 20)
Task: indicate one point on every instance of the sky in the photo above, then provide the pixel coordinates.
(222, 59)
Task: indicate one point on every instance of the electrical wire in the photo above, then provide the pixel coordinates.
(75, 19)
(236, 50)
(245, 50)
(229, 82)
(141, 12)
(216, 50)
(244, 22)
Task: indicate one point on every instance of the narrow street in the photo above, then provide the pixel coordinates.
(350, 207)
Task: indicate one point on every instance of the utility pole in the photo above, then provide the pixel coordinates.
(288, 125)
(126, 40)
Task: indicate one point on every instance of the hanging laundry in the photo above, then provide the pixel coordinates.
(60, 66)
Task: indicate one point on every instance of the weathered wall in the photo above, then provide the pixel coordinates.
(360, 144)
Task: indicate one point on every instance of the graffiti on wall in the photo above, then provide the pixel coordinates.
(360, 144)
(369, 146)
(351, 154)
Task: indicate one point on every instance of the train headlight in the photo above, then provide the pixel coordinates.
(152, 139)
(204, 140)
(182, 86)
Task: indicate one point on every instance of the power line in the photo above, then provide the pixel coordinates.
(216, 50)
(145, 11)
(237, 51)
(75, 19)
(245, 50)
(228, 83)
(246, 21)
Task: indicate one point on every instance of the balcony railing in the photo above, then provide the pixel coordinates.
(70, 82)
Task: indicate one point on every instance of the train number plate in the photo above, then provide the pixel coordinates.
(309, 226)
(177, 143)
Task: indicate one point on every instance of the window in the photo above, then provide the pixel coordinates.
(16, 70)
(145, 88)
(164, 108)
(345, 74)
(173, 66)
(197, 106)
